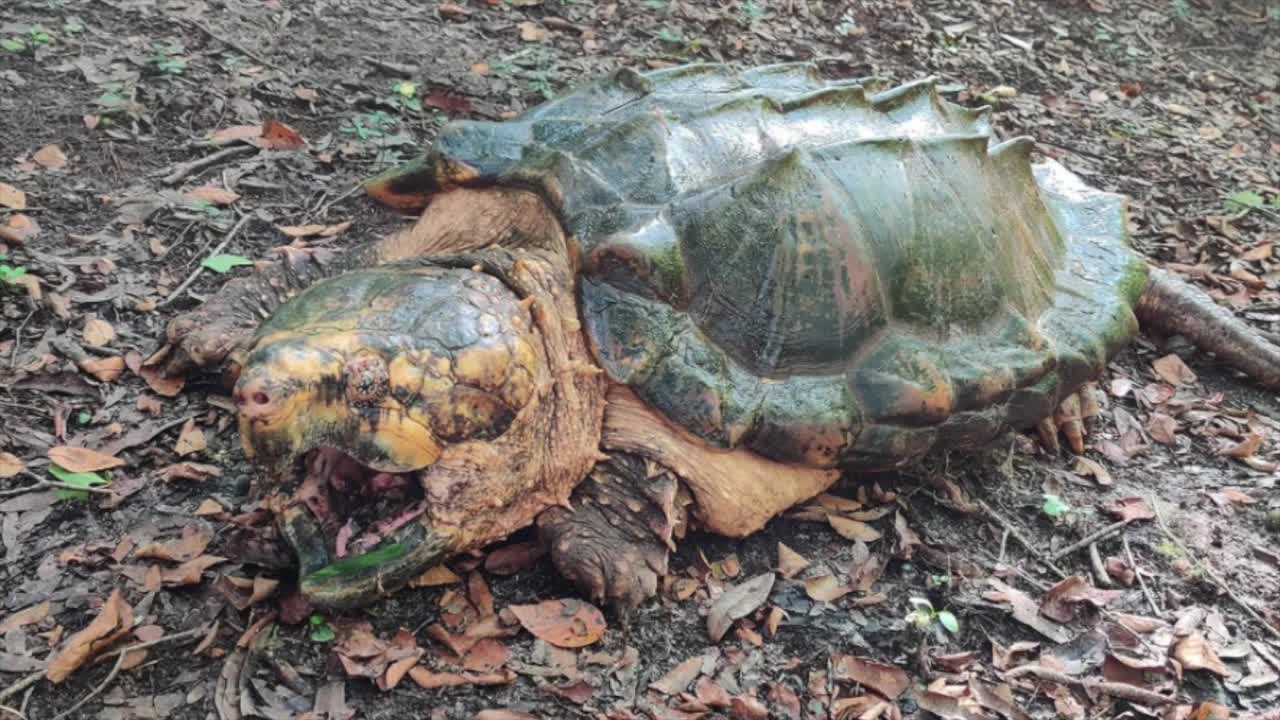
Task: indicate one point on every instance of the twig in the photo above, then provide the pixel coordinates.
(196, 272)
(12, 711)
(1151, 599)
(115, 669)
(230, 43)
(1099, 569)
(1017, 535)
(181, 171)
(325, 208)
(1217, 579)
(1124, 691)
(1090, 539)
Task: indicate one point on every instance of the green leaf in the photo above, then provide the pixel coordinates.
(13, 44)
(949, 622)
(1054, 507)
(223, 263)
(360, 563)
(1246, 199)
(81, 479)
(320, 630)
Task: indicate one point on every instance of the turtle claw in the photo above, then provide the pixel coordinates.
(1068, 422)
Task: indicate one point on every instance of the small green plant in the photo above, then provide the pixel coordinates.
(370, 125)
(168, 59)
(404, 95)
(9, 274)
(26, 44)
(222, 263)
(1180, 9)
(938, 582)
(923, 616)
(751, 11)
(321, 632)
(1169, 551)
(1055, 507)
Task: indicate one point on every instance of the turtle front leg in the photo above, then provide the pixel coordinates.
(615, 540)
(223, 326)
(1068, 421)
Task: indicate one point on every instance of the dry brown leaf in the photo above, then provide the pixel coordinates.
(1163, 429)
(198, 472)
(12, 197)
(790, 562)
(434, 576)
(888, 680)
(430, 680)
(98, 333)
(50, 157)
(1060, 601)
(1250, 445)
(189, 546)
(1027, 611)
(211, 194)
(302, 231)
(1129, 508)
(246, 133)
(159, 383)
(487, 655)
(103, 369)
(19, 229)
(1088, 467)
(190, 572)
(209, 508)
(825, 588)
(1232, 496)
(853, 529)
(566, 623)
(78, 459)
(26, 616)
(532, 32)
(480, 595)
(838, 504)
(10, 465)
(113, 622)
(1172, 370)
(190, 440)
(1195, 653)
(511, 559)
(278, 136)
(738, 602)
(677, 679)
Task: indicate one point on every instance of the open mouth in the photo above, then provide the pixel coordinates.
(358, 532)
(357, 506)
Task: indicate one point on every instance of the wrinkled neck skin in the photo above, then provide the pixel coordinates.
(481, 491)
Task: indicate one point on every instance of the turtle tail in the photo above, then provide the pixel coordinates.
(1173, 306)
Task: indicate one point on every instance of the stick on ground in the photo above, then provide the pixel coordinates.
(1217, 579)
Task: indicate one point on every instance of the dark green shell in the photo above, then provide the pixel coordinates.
(813, 271)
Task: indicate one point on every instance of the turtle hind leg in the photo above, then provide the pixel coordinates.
(1173, 306)
(615, 539)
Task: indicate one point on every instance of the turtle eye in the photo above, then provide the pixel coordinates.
(366, 379)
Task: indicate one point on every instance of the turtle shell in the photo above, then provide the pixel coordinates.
(820, 273)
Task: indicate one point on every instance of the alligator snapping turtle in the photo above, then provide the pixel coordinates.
(689, 297)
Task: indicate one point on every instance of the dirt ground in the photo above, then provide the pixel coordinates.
(106, 229)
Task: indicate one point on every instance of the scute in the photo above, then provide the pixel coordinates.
(821, 273)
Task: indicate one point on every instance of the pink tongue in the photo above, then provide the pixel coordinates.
(375, 534)
(386, 483)
(344, 537)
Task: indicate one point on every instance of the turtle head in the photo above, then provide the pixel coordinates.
(352, 395)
